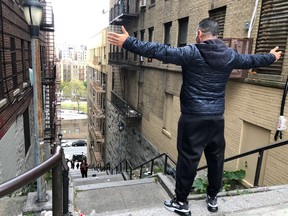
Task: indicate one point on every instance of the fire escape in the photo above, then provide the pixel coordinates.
(50, 79)
(122, 13)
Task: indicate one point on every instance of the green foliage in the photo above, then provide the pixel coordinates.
(31, 187)
(48, 177)
(200, 185)
(75, 89)
(158, 170)
(231, 181)
(73, 105)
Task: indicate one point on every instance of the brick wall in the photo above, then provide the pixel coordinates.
(257, 103)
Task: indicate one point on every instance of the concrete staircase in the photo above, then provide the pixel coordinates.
(104, 195)
(111, 195)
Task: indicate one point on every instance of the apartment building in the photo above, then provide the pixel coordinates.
(151, 88)
(17, 128)
(72, 62)
(97, 76)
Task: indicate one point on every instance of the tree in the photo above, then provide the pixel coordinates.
(75, 90)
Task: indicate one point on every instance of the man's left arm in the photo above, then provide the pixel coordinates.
(247, 61)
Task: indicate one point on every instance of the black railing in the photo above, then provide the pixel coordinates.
(124, 107)
(260, 152)
(60, 181)
(128, 167)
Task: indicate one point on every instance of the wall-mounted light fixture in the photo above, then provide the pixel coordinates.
(120, 126)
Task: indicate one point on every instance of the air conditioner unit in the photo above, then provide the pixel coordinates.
(142, 3)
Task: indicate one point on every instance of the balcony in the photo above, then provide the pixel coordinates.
(132, 116)
(123, 59)
(122, 13)
(100, 88)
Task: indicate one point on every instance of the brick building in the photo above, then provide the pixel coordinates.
(17, 142)
(144, 96)
(97, 74)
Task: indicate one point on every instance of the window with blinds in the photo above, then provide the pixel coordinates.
(219, 14)
(273, 30)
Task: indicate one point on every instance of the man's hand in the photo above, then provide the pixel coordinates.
(118, 39)
(276, 53)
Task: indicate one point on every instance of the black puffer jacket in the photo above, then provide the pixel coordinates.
(206, 68)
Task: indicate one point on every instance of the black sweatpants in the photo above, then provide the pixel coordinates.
(195, 135)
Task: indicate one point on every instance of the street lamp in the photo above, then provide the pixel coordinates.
(60, 136)
(33, 14)
(120, 126)
(33, 11)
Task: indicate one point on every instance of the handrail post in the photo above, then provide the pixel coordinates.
(141, 172)
(65, 192)
(152, 164)
(258, 168)
(165, 165)
(57, 192)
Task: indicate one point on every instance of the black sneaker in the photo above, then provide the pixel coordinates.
(212, 205)
(175, 206)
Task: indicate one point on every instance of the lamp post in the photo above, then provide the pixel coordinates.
(60, 136)
(33, 11)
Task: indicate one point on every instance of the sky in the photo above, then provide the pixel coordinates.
(76, 21)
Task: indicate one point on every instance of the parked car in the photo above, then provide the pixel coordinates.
(79, 143)
(79, 157)
(66, 143)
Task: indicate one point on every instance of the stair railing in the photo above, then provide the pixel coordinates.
(130, 168)
(60, 185)
(260, 152)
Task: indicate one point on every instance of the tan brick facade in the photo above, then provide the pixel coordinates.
(252, 104)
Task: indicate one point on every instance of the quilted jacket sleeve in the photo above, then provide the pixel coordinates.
(247, 61)
(162, 52)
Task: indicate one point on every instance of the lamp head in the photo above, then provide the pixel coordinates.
(60, 135)
(33, 11)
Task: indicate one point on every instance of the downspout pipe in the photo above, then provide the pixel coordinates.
(252, 18)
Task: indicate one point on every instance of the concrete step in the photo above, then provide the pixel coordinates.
(97, 179)
(118, 196)
(91, 173)
(145, 197)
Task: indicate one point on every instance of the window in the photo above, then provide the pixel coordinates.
(167, 33)
(183, 29)
(26, 130)
(1, 77)
(142, 33)
(150, 38)
(135, 55)
(152, 2)
(23, 61)
(150, 30)
(272, 30)
(13, 62)
(219, 15)
(168, 114)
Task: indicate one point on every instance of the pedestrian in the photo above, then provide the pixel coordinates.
(206, 67)
(72, 164)
(84, 168)
(77, 165)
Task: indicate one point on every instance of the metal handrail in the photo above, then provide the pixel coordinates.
(128, 165)
(260, 151)
(57, 163)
